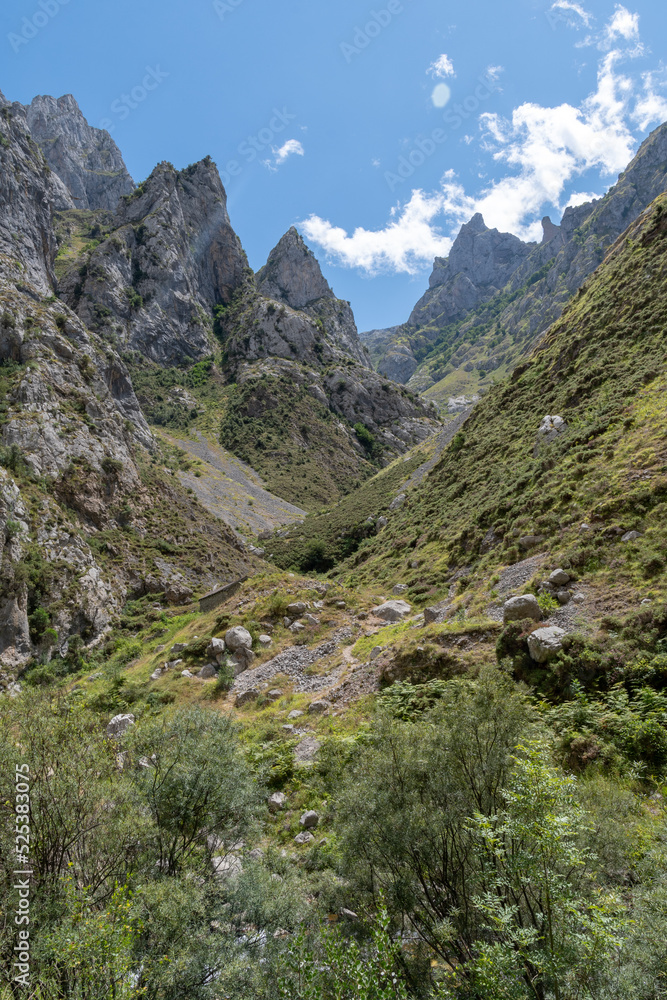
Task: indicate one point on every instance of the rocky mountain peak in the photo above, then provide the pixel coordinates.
(549, 230)
(292, 274)
(86, 159)
(172, 256)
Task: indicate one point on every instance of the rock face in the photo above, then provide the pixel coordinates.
(172, 256)
(27, 193)
(86, 159)
(392, 611)
(292, 276)
(537, 279)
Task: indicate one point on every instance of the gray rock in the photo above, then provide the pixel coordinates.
(297, 627)
(178, 647)
(186, 673)
(276, 802)
(287, 622)
(518, 608)
(375, 652)
(207, 672)
(238, 638)
(551, 428)
(400, 588)
(559, 578)
(563, 597)
(311, 620)
(319, 706)
(216, 649)
(303, 838)
(297, 609)
(307, 749)
(244, 697)
(265, 641)
(631, 536)
(119, 725)
(275, 694)
(578, 599)
(392, 611)
(157, 674)
(398, 501)
(382, 522)
(529, 541)
(546, 643)
(227, 868)
(310, 820)
(86, 159)
(295, 714)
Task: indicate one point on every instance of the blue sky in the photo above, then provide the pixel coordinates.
(313, 110)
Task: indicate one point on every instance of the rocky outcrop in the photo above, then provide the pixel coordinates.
(27, 241)
(86, 159)
(171, 258)
(292, 276)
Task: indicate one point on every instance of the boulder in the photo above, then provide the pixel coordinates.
(207, 672)
(311, 620)
(398, 501)
(382, 522)
(341, 605)
(157, 674)
(559, 578)
(400, 588)
(244, 657)
(186, 673)
(297, 627)
(296, 609)
(119, 725)
(546, 643)
(392, 611)
(563, 597)
(550, 428)
(178, 647)
(518, 608)
(307, 750)
(276, 802)
(287, 622)
(309, 820)
(319, 706)
(303, 838)
(216, 649)
(246, 696)
(265, 641)
(295, 714)
(529, 541)
(237, 638)
(578, 598)
(275, 695)
(227, 868)
(375, 652)
(631, 536)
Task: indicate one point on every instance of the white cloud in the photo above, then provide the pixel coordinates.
(441, 95)
(291, 148)
(442, 67)
(408, 243)
(580, 198)
(622, 25)
(574, 8)
(536, 154)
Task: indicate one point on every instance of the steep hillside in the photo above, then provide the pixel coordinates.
(503, 490)
(493, 298)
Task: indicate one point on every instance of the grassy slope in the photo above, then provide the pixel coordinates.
(602, 367)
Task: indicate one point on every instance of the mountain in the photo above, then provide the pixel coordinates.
(106, 285)
(492, 299)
